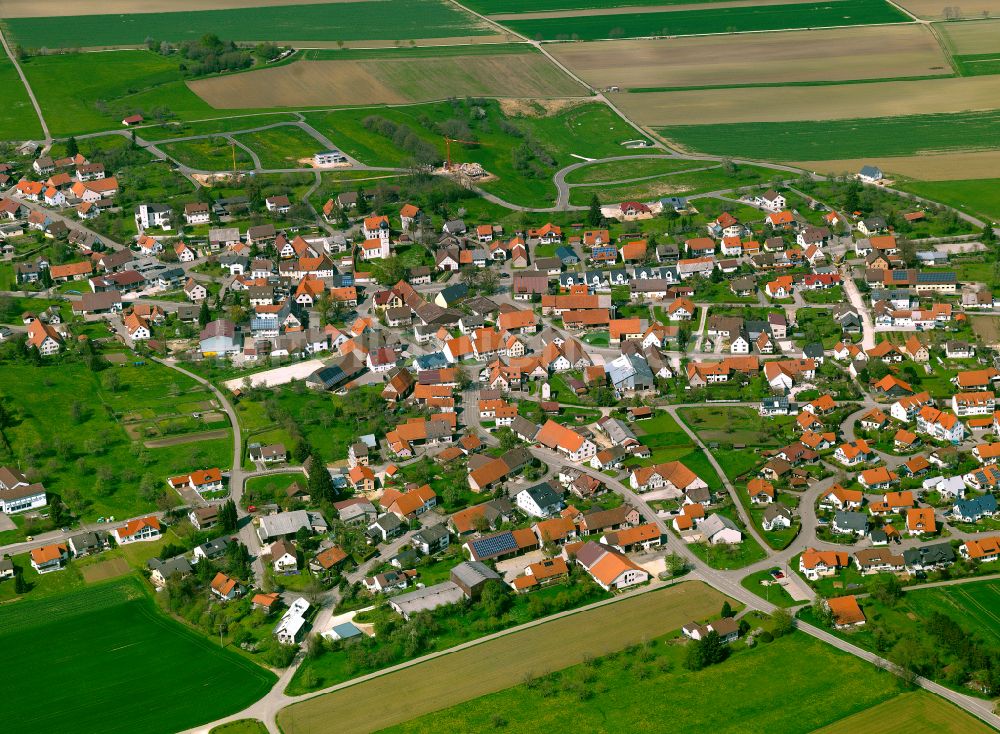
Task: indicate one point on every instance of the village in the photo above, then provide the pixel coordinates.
(564, 412)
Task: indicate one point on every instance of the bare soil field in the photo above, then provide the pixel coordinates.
(105, 570)
(987, 328)
(367, 81)
(972, 37)
(838, 54)
(935, 9)
(939, 167)
(460, 676)
(584, 12)
(830, 102)
(34, 9)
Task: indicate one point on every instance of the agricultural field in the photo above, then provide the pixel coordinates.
(29, 9)
(281, 147)
(797, 668)
(815, 103)
(987, 329)
(495, 7)
(936, 10)
(106, 87)
(209, 154)
(975, 606)
(758, 59)
(707, 19)
(545, 137)
(981, 198)
(132, 659)
(917, 712)
(338, 21)
(422, 78)
(972, 37)
(18, 120)
(612, 171)
(461, 676)
(107, 472)
(906, 135)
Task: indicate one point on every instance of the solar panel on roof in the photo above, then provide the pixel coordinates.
(494, 545)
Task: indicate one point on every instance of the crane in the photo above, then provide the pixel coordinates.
(447, 148)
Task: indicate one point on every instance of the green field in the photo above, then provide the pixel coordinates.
(681, 183)
(18, 120)
(495, 7)
(243, 726)
(589, 129)
(281, 147)
(624, 170)
(835, 139)
(112, 660)
(347, 21)
(74, 436)
(979, 197)
(414, 52)
(209, 154)
(917, 712)
(626, 693)
(717, 20)
(975, 606)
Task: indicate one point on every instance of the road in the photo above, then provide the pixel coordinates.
(31, 92)
(858, 301)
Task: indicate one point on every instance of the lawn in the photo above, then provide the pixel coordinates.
(76, 440)
(18, 120)
(589, 129)
(132, 660)
(772, 593)
(209, 154)
(916, 712)
(979, 197)
(729, 557)
(667, 441)
(243, 726)
(281, 147)
(462, 675)
(177, 129)
(272, 488)
(836, 139)
(347, 21)
(631, 689)
(709, 20)
(611, 171)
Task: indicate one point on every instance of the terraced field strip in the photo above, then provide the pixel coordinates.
(339, 21)
(837, 54)
(829, 102)
(910, 713)
(502, 662)
(384, 80)
(709, 19)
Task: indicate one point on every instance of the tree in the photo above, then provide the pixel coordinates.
(727, 610)
(228, 517)
(782, 622)
(885, 587)
(989, 237)
(320, 484)
(594, 216)
(112, 381)
(20, 585)
(494, 599)
(71, 147)
(204, 315)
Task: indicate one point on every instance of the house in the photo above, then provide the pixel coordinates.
(471, 577)
(49, 558)
(410, 504)
(850, 523)
(540, 500)
(929, 557)
(226, 587)
(611, 569)
(972, 510)
(981, 550)
(152, 215)
(718, 529)
(566, 441)
(292, 622)
(195, 291)
(776, 517)
(196, 213)
(814, 564)
(727, 628)
(634, 539)
(17, 494)
(284, 558)
(141, 529)
(431, 539)
(672, 476)
(845, 612)
(327, 561)
(940, 425)
(204, 517)
(870, 174)
(855, 452)
(203, 480)
(160, 572)
(288, 524)
(761, 491)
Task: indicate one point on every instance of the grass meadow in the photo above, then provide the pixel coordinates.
(709, 20)
(612, 171)
(281, 147)
(342, 21)
(979, 197)
(100, 473)
(111, 659)
(836, 139)
(916, 712)
(210, 154)
(496, 7)
(667, 441)
(18, 120)
(625, 692)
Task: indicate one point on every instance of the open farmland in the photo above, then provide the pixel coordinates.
(839, 140)
(460, 676)
(796, 668)
(839, 54)
(209, 154)
(612, 171)
(937, 10)
(367, 81)
(343, 21)
(918, 712)
(116, 660)
(805, 103)
(493, 7)
(972, 37)
(977, 197)
(32, 9)
(18, 120)
(710, 20)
